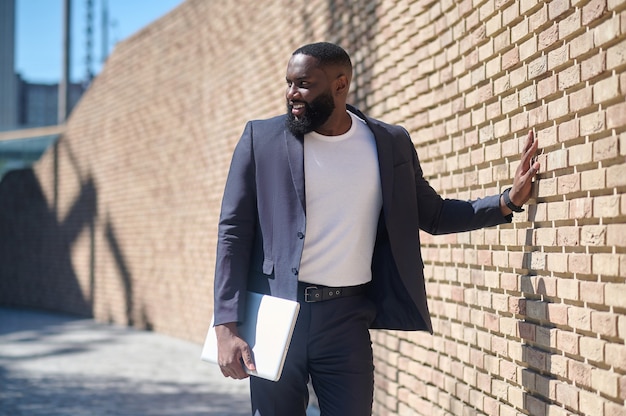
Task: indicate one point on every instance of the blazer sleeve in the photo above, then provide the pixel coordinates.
(236, 233)
(444, 216)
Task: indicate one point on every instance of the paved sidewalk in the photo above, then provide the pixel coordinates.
(60, 365)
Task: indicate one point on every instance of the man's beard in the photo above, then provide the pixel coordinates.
(316, 113)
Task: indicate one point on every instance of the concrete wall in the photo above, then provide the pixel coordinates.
(119, 220)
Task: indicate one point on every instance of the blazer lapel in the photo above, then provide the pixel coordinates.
(385, 163)
(385, 158)
(295, 155)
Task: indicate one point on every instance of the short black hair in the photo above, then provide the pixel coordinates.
(326, 53)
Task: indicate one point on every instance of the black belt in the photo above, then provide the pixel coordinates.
(309, 292)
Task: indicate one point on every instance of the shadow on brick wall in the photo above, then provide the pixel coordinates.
(35, 246)
(537, 378)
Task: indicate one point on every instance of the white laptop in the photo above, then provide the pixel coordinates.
(268, 327)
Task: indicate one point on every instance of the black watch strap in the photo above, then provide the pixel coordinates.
(507, 201)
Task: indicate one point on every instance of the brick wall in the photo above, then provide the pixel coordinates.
(528, 317)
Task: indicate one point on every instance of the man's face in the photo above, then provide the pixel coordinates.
(310, 101)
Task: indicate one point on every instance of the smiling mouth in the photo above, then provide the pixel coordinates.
(297, 109)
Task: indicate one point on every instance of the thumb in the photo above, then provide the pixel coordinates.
(247, 358)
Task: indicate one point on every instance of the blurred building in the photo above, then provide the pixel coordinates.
(24, 104)
(37, 104)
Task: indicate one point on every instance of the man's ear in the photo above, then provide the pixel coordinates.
(342, 85)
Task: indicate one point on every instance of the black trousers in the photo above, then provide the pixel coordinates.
(331, 344)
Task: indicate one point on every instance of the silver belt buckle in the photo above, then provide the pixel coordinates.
(307, 295)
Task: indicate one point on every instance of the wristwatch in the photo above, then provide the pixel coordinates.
(509, 203)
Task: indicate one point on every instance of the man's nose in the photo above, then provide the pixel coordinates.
(292, 92)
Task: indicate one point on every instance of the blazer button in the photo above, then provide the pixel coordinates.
(295, 271)
(300, 235)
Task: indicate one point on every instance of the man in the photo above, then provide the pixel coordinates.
(325, 197)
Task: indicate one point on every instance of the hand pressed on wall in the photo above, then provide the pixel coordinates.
(521, 190)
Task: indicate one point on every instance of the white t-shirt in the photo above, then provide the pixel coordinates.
(343, 203)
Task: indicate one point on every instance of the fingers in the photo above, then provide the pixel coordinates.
(530, 148)
(234, 370)
(234, 367)
(529, 141)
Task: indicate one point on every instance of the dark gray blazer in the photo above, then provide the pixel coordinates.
(263, 221)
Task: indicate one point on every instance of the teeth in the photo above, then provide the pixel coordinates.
(298, 106)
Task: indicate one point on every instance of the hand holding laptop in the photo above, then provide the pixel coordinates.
(235, 351)
(258, 346)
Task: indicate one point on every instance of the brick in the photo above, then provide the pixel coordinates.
(493, 67)
(579, 372)
(510, 58)
(615, 295)
(557, 313)
(616, 356)
(568, 395)
(568, 130)
(526, 5)
(493, 25)
(592, 292)
(546, 188)
(579, 318)
(606, 89)
(592, 11)
(607, 206)
(510, 103)
(557, 159)
(590, 403)
(581, 99)
(605, 149)
(502, 40)
(614, 409)
(569, 288)
(593, 66)
(569, 25)
(538, 19)
(593, 235)
(592, 349)
(546, 87)
(614, 4)
(605, 382)
(616, 55)
(581, 45)
(616, 116)
(604, 324)
(580, 263)
(510, 14)
(616, 235)
(593, 180)
(528, 48)
(547, 137)
(537, 67)
(568, 236)
(537, 116)
(519, 122)
(606, 264)
(569, 77)
(556, 8)
(535, 406)
(558, 57)
(558, 108)
(548, 37)
(558, 367)
(519, 31)
(581, 154)
(592, 123)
